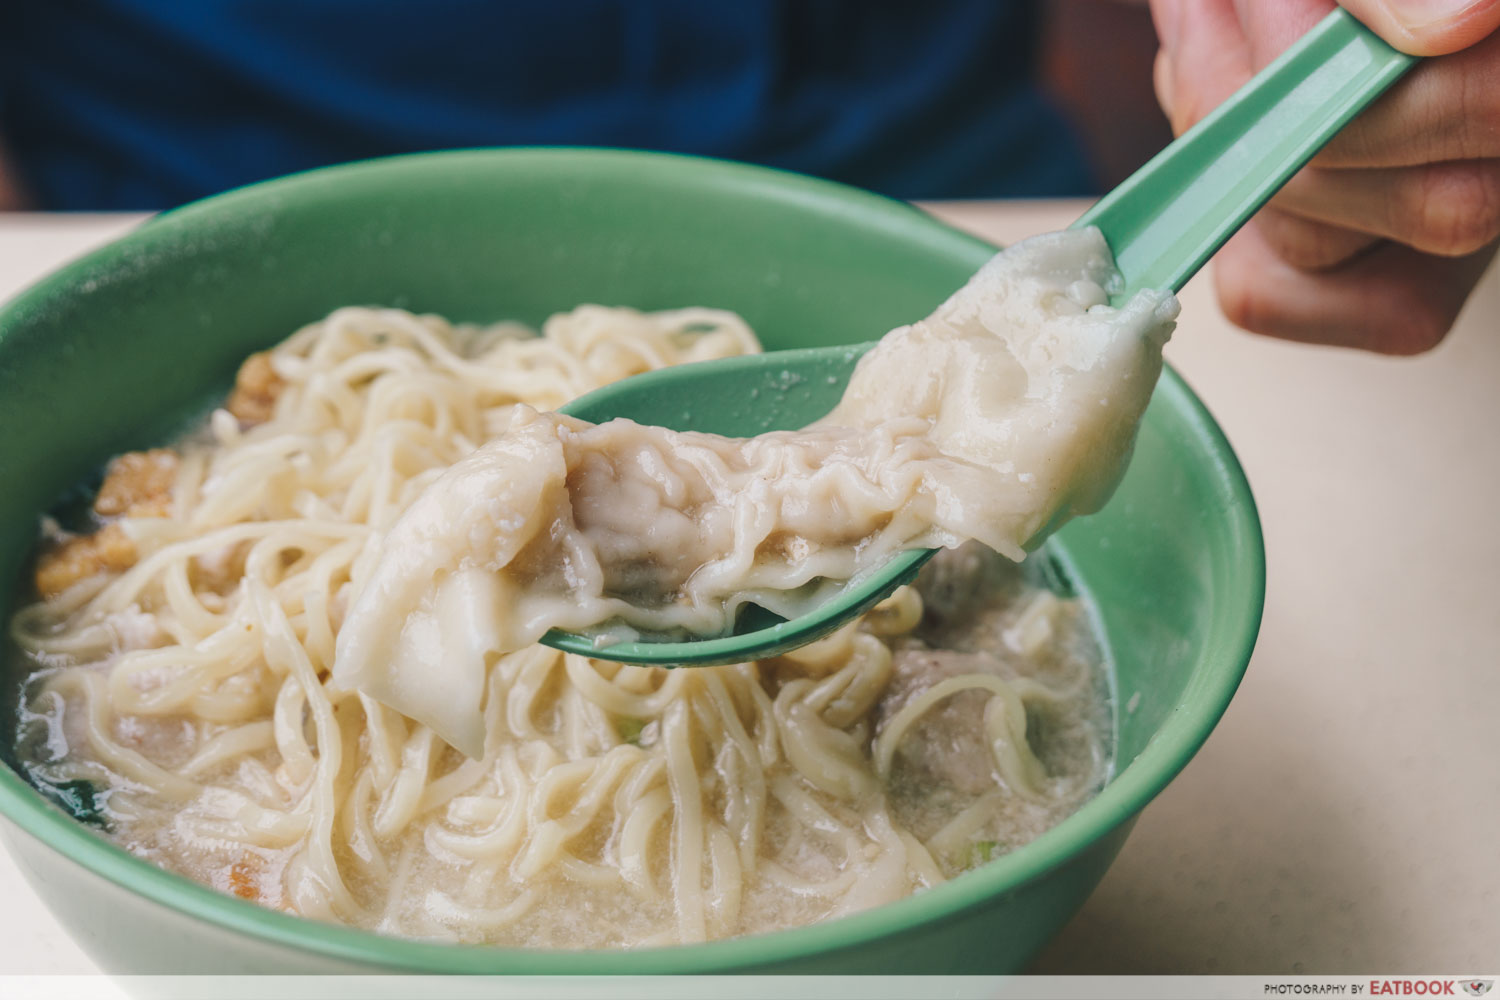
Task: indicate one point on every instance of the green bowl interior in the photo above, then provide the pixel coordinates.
(118, 349)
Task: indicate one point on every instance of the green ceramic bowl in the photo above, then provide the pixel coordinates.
(115, 350)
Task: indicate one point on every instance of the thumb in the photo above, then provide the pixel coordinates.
(1428, 27)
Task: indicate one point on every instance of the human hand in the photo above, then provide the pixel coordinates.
(1378, 242)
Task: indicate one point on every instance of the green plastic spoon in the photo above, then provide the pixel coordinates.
(1163, 224)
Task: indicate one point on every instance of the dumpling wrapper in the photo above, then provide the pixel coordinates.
(1008, 411)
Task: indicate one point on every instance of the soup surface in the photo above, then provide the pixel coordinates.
(182, 685)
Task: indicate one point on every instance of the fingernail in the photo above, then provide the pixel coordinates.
(1418, 14)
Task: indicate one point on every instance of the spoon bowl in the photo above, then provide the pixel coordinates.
(739, 397)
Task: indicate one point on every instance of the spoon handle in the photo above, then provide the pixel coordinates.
(1170, 216)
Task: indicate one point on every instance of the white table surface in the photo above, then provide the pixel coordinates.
(1345, 816)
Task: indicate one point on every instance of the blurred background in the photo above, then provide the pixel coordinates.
(131, 105)
(1341, 818)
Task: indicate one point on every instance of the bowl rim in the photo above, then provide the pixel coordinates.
(1132, 787)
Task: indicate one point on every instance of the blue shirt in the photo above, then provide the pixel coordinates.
(144, 104)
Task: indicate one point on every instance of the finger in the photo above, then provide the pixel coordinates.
(1271, 26)
(1310, 245)
(1448, 209)
(1393, 300)
(1428, 27)
(1445, 109)
(1208, 60)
